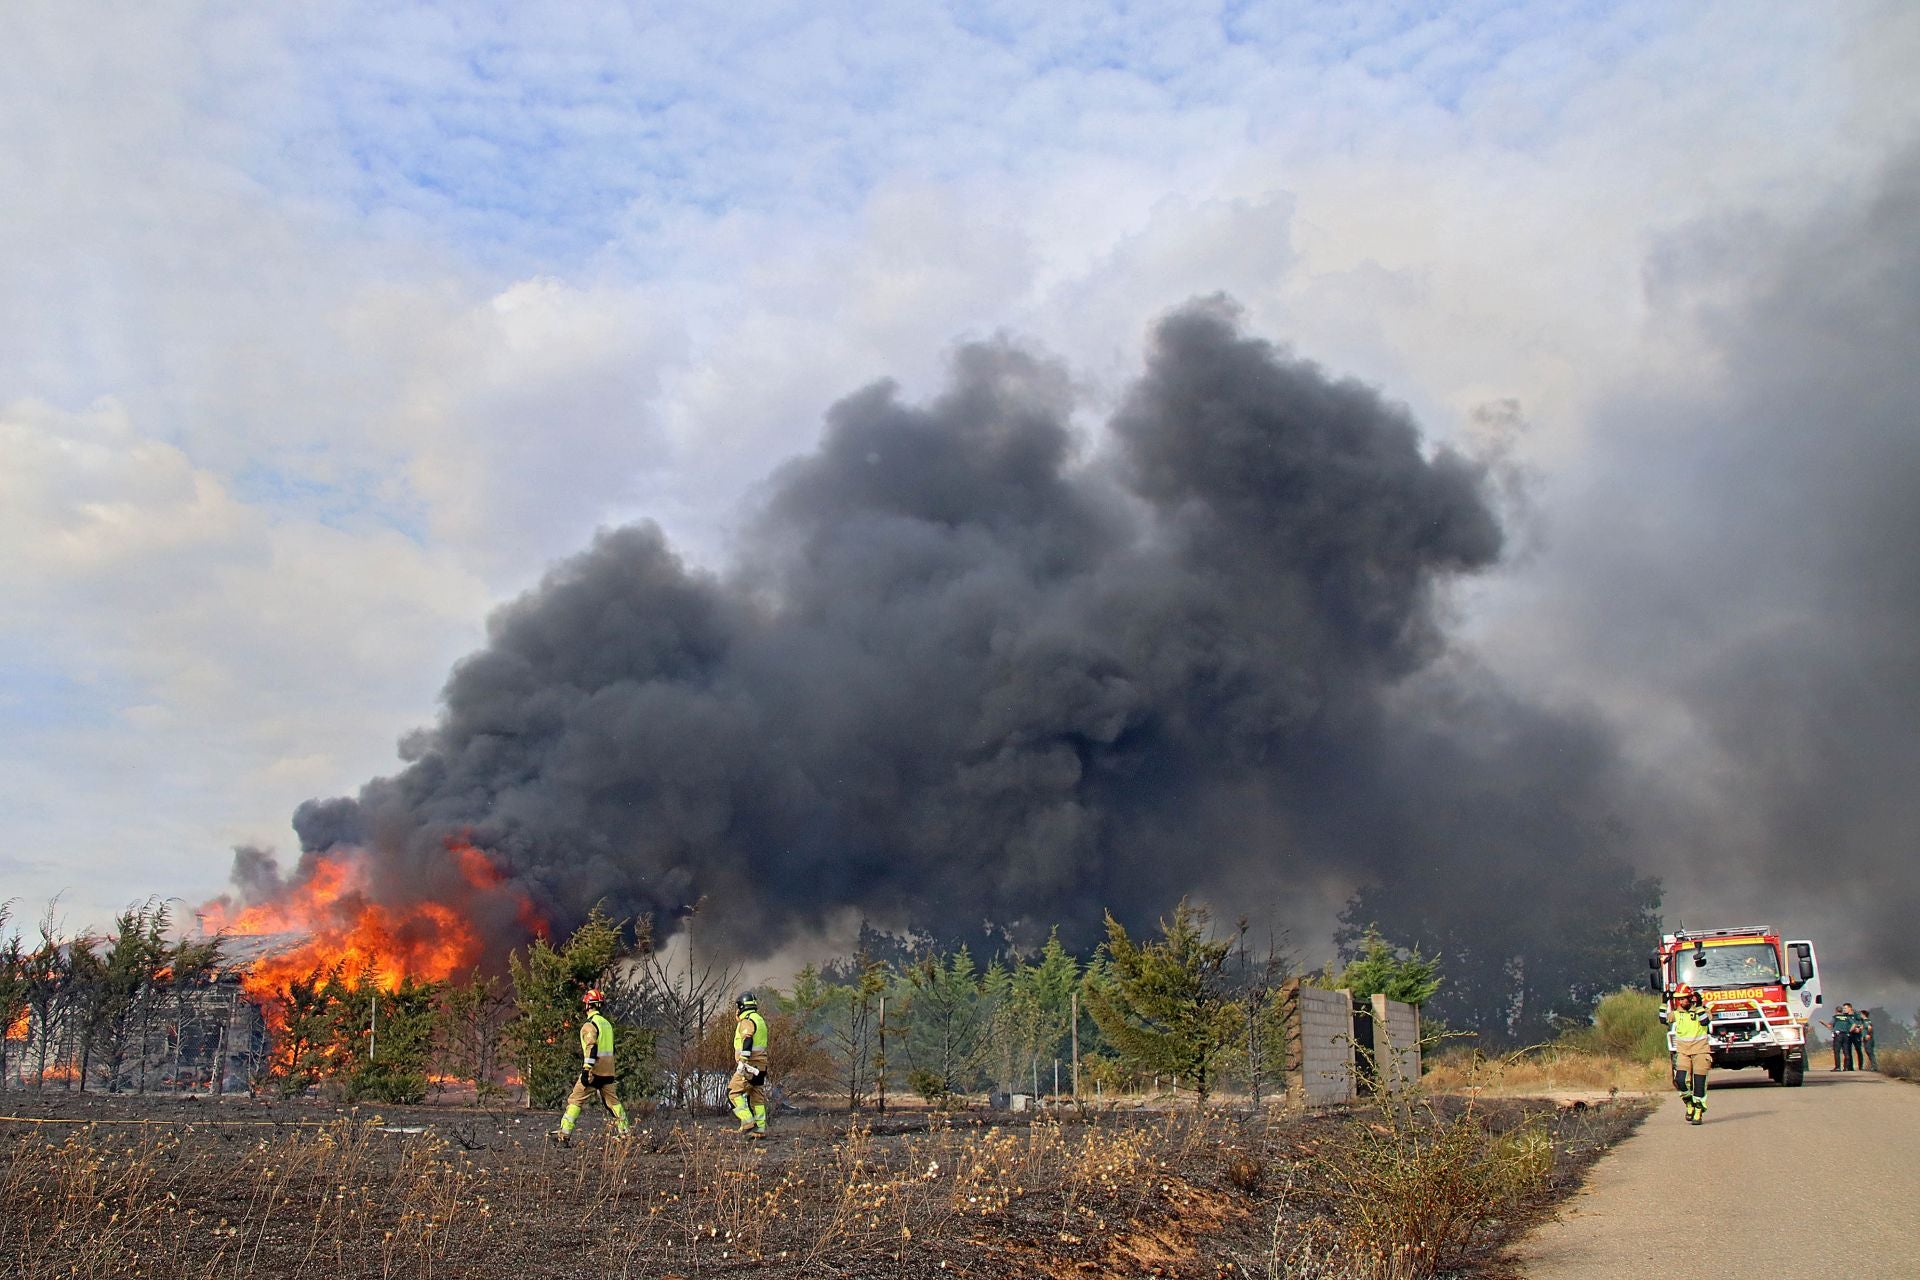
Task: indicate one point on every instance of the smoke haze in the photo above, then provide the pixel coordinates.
(968, 669)
(1738, 579)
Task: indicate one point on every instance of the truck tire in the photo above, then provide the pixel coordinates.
(1777, 1070)
(1794, 1074)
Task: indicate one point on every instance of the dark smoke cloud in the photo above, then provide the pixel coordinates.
(964, 673)
(1745, 561)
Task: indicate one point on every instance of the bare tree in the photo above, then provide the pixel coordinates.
(684, 997)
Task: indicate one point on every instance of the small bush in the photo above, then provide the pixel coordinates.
(1901, 1064)
(930, 1085)
(1410, 1193)
(1627, 1025)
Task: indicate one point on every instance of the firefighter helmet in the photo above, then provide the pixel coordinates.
(1682, 994)
(594, 998)
(746, 1002)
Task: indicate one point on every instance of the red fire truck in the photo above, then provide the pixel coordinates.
(1760, 992)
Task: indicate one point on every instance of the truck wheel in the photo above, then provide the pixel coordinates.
(1793, 1074)
(1777, 1071)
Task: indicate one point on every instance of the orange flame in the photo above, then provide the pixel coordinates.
(21, 1025)
(342, 928)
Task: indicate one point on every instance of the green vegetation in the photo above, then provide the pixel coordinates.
(548, 983)
(1378, 967)
(1165, 1005)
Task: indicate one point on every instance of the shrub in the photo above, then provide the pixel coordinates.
(1627, 1025)
(1410, 1193)
(1902, 1064)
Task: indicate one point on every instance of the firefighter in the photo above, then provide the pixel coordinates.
(1692, 1051)
(597, 1074)
(747, 1089)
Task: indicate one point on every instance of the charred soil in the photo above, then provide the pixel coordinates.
(165, 1188)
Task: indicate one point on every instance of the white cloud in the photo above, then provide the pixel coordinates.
(186, 667)
(322, 329)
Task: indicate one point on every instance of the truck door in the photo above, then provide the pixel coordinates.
(1803, 981)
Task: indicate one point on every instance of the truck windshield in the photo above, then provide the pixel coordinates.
(1740, 964)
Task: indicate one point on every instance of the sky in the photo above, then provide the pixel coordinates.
(325, 330)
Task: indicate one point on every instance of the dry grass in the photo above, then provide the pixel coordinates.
(1901, 1064)
(1548, 1071)
(175, 1193)
(1409, 1192)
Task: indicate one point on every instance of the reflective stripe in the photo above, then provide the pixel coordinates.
(1688, 1025)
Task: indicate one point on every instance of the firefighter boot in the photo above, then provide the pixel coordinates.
(760, 1121)
(744, 1113)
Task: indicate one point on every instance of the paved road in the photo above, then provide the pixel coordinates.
(1837, 1158)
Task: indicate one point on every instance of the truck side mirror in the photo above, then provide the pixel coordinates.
(1653, 983)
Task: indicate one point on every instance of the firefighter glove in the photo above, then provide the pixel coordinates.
(756, 1076)
(586, 1076)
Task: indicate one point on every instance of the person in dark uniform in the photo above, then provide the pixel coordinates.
(1842, 1028)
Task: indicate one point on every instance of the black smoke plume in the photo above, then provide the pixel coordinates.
(966, 673)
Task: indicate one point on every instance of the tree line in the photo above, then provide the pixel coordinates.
(1192, 1008)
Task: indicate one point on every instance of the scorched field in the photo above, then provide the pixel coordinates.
(165, 1188)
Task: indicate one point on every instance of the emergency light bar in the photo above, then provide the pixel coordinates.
(1688, 935)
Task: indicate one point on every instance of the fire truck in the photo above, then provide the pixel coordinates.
(1759, 991)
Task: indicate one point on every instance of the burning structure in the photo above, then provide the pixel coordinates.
(204, 1031)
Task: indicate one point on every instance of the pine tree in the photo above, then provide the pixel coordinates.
(944, 1024)
(1164, 1005)
(1379, 967)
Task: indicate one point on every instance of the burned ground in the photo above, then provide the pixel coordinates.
(165, 1188)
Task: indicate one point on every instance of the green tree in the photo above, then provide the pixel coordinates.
(1030, 1016)
(944, 1024)
(1378, 967)
(302, 1043)
(547, 985)
(133, 957)
(381, 1040)
(1164, 1005)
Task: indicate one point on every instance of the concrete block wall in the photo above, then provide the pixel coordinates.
(1323, 1045)
(1396, 1043)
